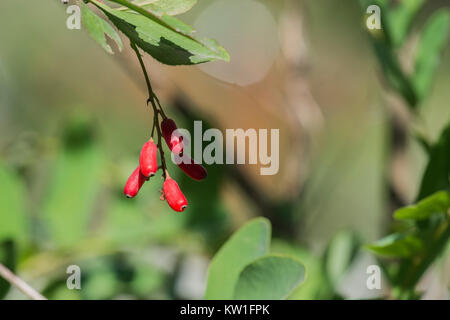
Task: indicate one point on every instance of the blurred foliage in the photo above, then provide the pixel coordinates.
(244, 269)
(68, 144)
(426, 225)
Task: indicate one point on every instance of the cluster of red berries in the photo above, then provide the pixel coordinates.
(148, 165)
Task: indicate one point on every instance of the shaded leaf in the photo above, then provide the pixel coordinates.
(397, 245)
(74, 185)
(437, 203)
(316, 285)
(437, 172)
(99, 28)
(13, 194)
(247, 244)
(269, 278)
(167, 40)
(8, 259)
(432, 41)
(394, 74)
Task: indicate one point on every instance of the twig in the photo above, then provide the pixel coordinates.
(157, 108)
(19, 283)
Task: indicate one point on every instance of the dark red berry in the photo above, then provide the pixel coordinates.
(192, 169)
(134, 183)
(148, 159)
(175, 198)
(174, 141)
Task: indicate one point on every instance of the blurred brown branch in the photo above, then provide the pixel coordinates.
(20, 284)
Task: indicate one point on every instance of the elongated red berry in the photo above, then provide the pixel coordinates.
(134, 183)
(174, 141)
(175, 198)
(192, 169)
(148, 159)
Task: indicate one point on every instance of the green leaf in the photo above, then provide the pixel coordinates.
(339, 255)
(8, 259)
(437, 203)
(394, 74)
(437, 172)
(99, 28)
(397, 245)
(168, 40)
(247, 244)
(316, 285)
(269, 278)
(13, 195)
(399, 19)
(161, 7)
(73, 190)
(432, 41)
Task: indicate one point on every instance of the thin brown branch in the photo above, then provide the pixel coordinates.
(14, 280)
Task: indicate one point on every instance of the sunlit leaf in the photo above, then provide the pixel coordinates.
(165, 39)
(169, 7)
(397, 245)
(98, 28)
(437, 203)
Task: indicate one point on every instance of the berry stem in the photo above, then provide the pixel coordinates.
(157, 108)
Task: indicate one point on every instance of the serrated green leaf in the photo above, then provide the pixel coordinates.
(432, 41)
(166, 40)
(436, 203)
(247, 244)
(437, 172)
(397, 245)
(269, 278)
(99, 28)
(161, 7)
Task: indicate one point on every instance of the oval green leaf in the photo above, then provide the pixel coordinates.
(269, 278)
(247, 244)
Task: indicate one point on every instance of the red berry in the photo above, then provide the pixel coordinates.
(175, 198)
(173, 140)
(134, 183)
(148, 159)
(193, 170)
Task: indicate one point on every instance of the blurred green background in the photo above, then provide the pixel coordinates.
(73, 119)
